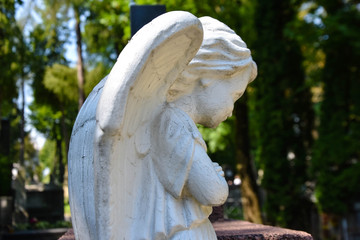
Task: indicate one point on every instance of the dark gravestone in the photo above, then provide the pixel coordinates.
(5, 160)
(6, 208)
(46, 234)
(5, 137)
(140, 15)
(45, 203)
(6, 199)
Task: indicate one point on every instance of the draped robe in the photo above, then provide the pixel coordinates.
(166, 209)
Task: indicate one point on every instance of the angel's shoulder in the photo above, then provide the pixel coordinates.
(175, 118)
(172, 122)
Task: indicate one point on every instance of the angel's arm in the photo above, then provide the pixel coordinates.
(206, 182)
(181, 160)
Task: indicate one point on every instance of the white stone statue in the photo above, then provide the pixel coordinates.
(138, 167)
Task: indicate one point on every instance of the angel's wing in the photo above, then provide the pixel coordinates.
(107, 147)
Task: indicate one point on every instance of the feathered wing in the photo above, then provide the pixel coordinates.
(110, 138)
(81, 167)
(134, 93)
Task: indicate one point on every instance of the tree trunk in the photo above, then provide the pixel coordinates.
(1, 101)
(61, 161)
(249, 188)
(22, 121)
(80, 64)
(65, 136)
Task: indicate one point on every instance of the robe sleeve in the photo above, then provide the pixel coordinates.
(205, 183)
(173, 150)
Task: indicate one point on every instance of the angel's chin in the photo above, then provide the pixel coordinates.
(212, 124)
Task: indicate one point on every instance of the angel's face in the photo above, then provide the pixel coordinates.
(215, 103)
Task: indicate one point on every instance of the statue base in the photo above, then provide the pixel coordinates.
(241, 230)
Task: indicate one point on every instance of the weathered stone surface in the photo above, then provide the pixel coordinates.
(69, 235)
(242, 230)
(45, 234)
(217, 214)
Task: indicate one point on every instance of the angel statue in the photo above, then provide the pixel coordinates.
(138, 167)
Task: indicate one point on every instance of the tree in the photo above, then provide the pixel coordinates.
(282, 115)
(249, 188)
(10, 36)
(11, 69)
(47, 42)
(107, 30)
(335, 164)
(53, 111)
(47, 159)
(30, 164)
(55, 123)
(78, 7)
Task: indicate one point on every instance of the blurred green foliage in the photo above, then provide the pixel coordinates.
(61, 81)
(47, 156)
(221, 142)
(282, 115)
(41, 225)
(303, 109)
(335, 164)
(233, 212)
(11, 42)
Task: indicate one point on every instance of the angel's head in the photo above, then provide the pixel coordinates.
(217, 76)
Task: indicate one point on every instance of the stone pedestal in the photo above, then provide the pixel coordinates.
(242, 230)
(45, 234)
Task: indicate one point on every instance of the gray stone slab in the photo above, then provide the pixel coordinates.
(242, 230)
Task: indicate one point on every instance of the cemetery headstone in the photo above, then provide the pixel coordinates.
(141, 15)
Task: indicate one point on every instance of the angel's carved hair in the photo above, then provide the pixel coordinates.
(221, 55)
